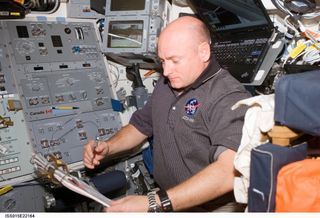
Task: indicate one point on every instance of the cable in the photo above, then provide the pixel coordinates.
(73, 128)
(311, 56)
(290, 25)
(279, 4)
(41, 7)
(100, 24)
(310, 16)
(116, 74)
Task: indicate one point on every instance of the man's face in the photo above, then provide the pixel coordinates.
(180, 61)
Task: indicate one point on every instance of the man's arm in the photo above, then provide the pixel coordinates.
(128, 137)
(210, 183)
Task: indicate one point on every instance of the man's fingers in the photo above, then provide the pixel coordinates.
(95, 162)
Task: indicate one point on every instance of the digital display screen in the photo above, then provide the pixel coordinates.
(125, 34)
(127, 5)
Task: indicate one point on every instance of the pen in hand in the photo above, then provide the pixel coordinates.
(95, 145)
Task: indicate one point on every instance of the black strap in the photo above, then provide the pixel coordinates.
(165, 201)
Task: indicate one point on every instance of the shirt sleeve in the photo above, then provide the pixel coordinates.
(225, 125)
(142, 119)
(220, 150)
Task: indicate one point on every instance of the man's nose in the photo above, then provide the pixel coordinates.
(167, 69)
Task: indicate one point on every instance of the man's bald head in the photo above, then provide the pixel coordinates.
(184, 50)
(187, 26)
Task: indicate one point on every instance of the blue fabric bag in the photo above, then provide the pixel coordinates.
(297, 102)
(266, 161)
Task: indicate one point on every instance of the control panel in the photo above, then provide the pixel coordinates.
(15, 145)
(56, 94)
(7, 84)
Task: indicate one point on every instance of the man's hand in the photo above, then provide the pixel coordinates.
(133, 203)
(93, 152)
(127, 138)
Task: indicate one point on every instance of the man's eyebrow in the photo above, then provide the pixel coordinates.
(170, 57)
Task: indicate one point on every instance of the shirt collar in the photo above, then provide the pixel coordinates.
(212, 69)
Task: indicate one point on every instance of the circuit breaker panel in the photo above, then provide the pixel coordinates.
(61, 94)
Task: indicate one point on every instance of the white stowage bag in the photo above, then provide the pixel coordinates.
(258, 119)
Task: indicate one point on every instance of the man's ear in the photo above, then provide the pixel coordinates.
(204, 51)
